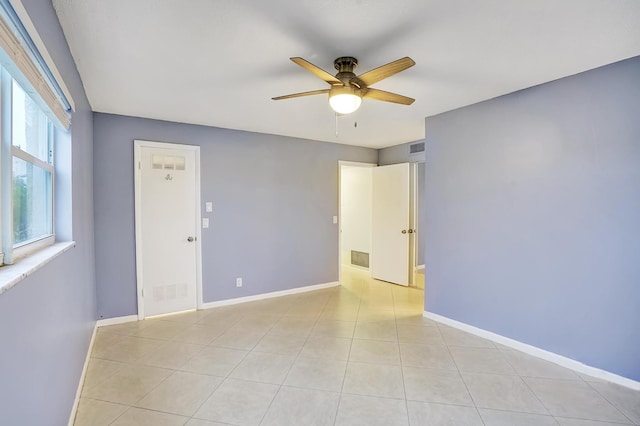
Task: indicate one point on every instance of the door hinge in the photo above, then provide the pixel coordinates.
(143, 292)
(139, 165)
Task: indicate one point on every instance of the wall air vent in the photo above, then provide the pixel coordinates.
(416, 148)
(359, 258)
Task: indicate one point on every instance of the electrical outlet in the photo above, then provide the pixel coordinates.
(205, 222)
(238, 282)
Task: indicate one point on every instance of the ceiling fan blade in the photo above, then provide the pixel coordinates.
(381, 95)
(317, 71)
(380, 73)
(297, 95)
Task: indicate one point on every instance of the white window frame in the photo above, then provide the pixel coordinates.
(28, 247)
(24, 58)
(11, 251)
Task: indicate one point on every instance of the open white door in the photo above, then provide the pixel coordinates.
(167, 231)
(390, 224)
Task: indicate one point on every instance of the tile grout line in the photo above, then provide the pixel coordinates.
(135, 362)
(290, 367)
(247, 352)
(121, 414)
(461, 376)
(404, 385)
(205, 401)
(611, 403)
(344, 375)
(530, 389)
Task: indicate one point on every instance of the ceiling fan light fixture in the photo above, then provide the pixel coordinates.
(348, 89)
(344, 100)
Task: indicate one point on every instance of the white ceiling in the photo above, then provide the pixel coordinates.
(219, 62)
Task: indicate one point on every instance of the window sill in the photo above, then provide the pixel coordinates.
(10, 275)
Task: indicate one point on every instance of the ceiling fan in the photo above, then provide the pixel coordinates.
(347, 89)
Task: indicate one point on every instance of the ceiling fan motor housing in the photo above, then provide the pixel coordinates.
(345, 66)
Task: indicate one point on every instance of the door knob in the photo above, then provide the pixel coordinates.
(191, 239)
(404, 231)
(411, 231)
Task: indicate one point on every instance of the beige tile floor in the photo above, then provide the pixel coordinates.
(359, 354)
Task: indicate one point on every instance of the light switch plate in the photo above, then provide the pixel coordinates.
(208, 206)
(205, 222)
(335, 220)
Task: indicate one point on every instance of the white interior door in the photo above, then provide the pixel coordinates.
(390, 224)
(167, 221)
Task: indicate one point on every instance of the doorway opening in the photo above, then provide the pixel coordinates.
(360, 232)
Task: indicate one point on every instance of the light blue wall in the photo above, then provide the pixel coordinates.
(273, 201)
(46, 320)
(533, 216)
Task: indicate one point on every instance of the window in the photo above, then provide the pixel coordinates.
(27, 222)
(32, 154)
(33, 99)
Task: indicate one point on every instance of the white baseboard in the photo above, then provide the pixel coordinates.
(208, 305)
(245, 299)
(116, 320)
(419, 267)
(355, 267)
(76, 401)
(537, 352)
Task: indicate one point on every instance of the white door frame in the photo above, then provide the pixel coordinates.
(413, 219)
(340, 164)
(416, 212)
(137, 154)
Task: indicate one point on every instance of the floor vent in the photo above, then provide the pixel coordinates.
(359, 258)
